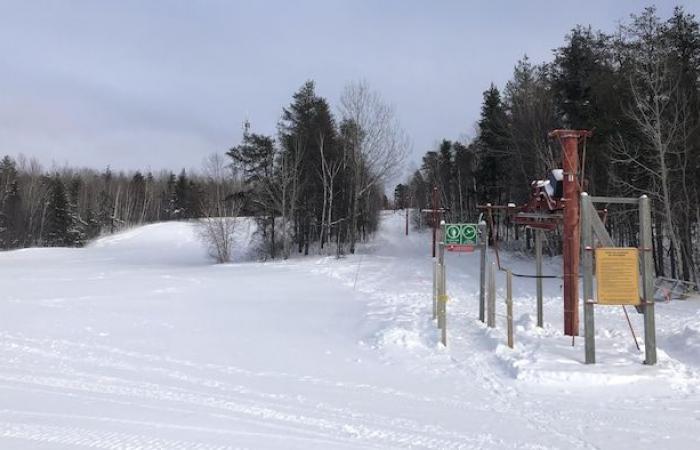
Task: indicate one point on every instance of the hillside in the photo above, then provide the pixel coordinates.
(139, 341)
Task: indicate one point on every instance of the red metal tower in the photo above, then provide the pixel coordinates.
(569, 140)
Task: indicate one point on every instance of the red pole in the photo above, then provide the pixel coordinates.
(569, 143)
(435, 218)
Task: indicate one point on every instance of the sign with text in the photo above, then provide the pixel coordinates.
(617, 276)
(461, 235)
(460, 248)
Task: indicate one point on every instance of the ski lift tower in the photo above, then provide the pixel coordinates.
(569, 140)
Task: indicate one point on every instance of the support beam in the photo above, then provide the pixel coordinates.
(620, 200)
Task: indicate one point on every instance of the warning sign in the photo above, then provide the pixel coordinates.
(617, 276)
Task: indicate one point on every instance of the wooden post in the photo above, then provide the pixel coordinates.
(588, 300)
(509, 306)
(482, 271)
(491, 322)
(538, 264)
(648, 279)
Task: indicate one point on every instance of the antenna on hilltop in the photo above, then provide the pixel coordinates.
(246, 124)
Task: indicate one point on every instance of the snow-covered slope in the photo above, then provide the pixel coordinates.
(139, 342)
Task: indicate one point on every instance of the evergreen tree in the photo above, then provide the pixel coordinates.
(492, 145)
(401, 200)
(11, 218)
(57, 220)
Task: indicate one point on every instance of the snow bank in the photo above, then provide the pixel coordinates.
(171, 243)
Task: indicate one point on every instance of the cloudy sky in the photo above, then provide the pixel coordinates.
(161, 84)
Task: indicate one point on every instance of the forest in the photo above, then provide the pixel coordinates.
(636, 89)
(317, 184)
(320, 180)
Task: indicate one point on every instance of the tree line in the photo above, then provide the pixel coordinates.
(636, 88)
(317, 183)
(320, 181)
(68, 207)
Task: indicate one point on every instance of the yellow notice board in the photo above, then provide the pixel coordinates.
(617, 276)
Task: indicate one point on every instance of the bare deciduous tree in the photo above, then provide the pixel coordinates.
(377, 147)
(220, 210)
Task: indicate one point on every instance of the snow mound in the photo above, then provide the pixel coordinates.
(684, 343)
(169, 243)
(159, 243)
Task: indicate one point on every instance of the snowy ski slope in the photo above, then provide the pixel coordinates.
(139, 342)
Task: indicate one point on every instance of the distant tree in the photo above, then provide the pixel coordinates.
(375, 142)
(401, 199)
(57, 216)
(492, 148)
(10, 217)
(220, 209)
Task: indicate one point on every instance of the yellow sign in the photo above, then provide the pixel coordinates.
(617, 276)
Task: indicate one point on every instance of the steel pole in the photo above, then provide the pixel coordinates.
(538, 264)
(406, 221)
(588, 301)
(648, 279)
(435, 218)
(491, 318)
(571, 245)
(482, 271)
(509, 306)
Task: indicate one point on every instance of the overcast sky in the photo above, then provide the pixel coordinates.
(161, 84)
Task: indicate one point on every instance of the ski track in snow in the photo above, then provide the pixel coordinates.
(227, 401)
(73, 374)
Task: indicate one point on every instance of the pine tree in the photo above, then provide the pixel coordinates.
(493, 170)
(105, 213)
(181, 197)
(77, 231)
(10, 218)
(57, 219)
(401, 196)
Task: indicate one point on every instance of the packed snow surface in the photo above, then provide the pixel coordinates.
(138, 341)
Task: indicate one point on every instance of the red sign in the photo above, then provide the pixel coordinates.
(460, 248)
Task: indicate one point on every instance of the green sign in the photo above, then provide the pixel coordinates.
(461, 234)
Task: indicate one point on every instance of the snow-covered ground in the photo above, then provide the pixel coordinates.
(139, 342)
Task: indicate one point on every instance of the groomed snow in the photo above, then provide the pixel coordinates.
(138, 341)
